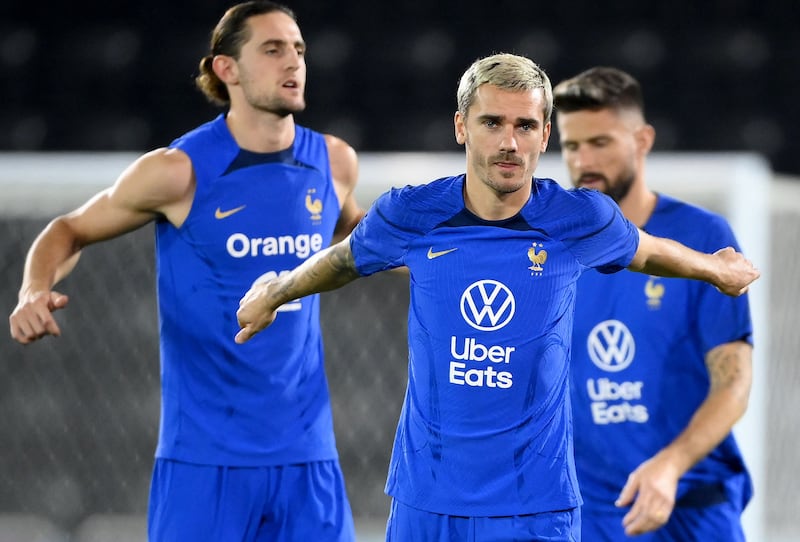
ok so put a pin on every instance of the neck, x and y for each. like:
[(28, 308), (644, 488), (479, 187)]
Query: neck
[(261, 131), (639, 204), (489, 204)]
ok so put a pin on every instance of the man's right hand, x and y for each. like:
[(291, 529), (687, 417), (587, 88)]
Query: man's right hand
[(737, 272), (32, 318), (255, 312)]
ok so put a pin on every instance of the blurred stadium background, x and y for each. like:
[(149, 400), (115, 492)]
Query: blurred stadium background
[(718, 74), (78, 415)]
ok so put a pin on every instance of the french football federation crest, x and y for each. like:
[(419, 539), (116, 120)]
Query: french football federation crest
[(537, 258), (314, 206), (654, 292)]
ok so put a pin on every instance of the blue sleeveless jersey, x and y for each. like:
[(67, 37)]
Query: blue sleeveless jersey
[(638, 372), (254, 216), (485, 428)]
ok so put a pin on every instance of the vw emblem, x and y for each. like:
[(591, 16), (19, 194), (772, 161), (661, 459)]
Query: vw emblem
[(487, 305), (611, 346)]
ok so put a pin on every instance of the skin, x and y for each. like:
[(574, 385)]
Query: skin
[(503, 133), (606, 149), (266, 86)]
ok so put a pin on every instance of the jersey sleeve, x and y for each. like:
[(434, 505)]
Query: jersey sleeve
[(380, 241), (720, 318), (601, 238)]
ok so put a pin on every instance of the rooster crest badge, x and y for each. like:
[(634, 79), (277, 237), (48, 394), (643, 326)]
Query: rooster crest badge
[(314, 206), (654, 291), (537, 258)]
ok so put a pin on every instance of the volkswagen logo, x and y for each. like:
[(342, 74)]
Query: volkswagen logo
[(487, 305), (611, 346)]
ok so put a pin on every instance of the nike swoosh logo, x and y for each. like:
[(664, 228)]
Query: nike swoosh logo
[(220, 214), (432, 254)]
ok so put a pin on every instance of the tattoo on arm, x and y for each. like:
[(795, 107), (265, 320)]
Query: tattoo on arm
[(327, 270), (729, 365), (342, 261)]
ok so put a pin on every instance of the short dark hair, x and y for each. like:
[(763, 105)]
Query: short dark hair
[(600, 87), (227, 38)]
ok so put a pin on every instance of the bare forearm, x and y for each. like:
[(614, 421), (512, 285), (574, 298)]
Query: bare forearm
[(668, 258), (52, 257), (327, 270), (730, 371), (726, 269)]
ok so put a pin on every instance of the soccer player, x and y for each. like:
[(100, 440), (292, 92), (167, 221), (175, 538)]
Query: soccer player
[(246, 448), (483, 449), (661, 368)]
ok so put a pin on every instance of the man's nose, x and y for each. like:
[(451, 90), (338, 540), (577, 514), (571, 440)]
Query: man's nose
[(508, 143)]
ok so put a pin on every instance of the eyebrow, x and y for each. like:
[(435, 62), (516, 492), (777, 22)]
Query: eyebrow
[(298, 43), (518, 120), (592, 140)]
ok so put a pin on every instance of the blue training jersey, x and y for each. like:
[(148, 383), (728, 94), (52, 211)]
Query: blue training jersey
[(639, 372), (485, 428), (254, 216)]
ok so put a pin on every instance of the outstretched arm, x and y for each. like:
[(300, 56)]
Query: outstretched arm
[(327, 270), (654, 483), (726, 269), (159, 183)]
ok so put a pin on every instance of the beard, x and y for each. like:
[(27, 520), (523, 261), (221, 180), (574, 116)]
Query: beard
[(279, 106), (271, 102), (616, 190), (484, 164), (620, 187)]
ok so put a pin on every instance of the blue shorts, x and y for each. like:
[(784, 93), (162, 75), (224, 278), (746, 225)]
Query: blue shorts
[(292, 503), (407, 523), (710, 513)]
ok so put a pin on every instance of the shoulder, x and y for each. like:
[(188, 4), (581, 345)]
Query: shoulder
[(579, 203), (692, 224), (678, 208), (400, 215), (548, 188), (337, 145), (160, 177), (423, 205), (165, 163), (212, 130), (443, 193), (343, 161)]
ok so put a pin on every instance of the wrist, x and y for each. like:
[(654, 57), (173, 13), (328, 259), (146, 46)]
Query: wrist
[(31, 290)]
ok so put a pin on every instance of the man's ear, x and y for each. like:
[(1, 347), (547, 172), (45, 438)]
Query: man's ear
[(226, 69), (645, 138), (548, 127), (460, 128)]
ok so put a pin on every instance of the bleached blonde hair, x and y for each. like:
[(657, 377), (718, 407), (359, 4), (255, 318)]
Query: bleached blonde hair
[(506, 71)]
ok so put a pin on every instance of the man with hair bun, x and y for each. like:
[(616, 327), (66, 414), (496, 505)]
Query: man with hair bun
[(246, 449)]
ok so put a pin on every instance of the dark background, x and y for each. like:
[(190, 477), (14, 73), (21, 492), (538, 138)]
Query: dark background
[(92, 76), (79, 414)]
